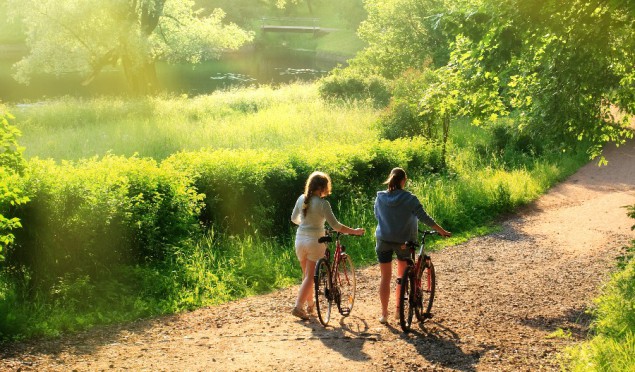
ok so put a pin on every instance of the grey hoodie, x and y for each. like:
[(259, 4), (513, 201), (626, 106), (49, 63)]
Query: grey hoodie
[(397, 214)]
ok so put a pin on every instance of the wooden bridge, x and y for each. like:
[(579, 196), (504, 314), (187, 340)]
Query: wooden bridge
[(297, 25)]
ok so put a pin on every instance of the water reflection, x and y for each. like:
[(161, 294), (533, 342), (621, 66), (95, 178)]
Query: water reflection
[(237, 69), (233, 77)]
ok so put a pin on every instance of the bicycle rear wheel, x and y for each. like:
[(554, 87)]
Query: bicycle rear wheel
[(344, 278), (406, 300), (323, 292), (425, 290)]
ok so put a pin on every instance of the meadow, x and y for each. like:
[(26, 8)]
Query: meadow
[(142, 207)]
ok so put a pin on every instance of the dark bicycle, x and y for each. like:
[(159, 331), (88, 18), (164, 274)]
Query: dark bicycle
[(334, 280), (417, 285)]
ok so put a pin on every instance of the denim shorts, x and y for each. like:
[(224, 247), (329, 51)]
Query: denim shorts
[(385, 250)]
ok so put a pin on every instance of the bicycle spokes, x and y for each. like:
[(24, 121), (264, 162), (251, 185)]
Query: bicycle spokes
[(345, 278), (323, 291)]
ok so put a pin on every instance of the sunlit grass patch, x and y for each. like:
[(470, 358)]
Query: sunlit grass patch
[(293, 115), (612, 348)]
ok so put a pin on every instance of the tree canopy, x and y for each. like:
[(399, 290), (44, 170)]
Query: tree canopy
[(562, 67), (87, 35)]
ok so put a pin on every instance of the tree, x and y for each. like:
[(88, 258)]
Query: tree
[(413, 34), (561, 65), (463, 87), (85, 36), (11, 170), (574, 64)]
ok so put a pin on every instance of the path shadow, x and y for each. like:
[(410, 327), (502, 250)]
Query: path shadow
[(80, 343), (441, 346), (576, 321), (346, 337)]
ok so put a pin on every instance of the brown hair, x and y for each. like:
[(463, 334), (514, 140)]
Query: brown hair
[(317, 181), (394, 179)]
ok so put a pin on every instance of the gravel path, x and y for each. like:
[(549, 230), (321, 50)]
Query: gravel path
[(501, 302)]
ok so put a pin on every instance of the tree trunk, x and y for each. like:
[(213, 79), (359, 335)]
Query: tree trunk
[(446, 134), (308, 4), (141, 77)]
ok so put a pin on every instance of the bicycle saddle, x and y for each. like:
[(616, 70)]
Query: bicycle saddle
[(325, 239)]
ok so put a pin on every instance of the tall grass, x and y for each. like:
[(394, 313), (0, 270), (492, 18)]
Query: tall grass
[(262, 118), (613, 346)]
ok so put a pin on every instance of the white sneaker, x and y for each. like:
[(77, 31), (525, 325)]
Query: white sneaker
[(383, 319)]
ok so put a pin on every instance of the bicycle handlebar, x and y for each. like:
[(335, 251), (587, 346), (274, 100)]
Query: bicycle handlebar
[(328, 238), (423, 237)]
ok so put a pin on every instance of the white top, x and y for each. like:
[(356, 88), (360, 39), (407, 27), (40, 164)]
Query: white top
[(313, 223)]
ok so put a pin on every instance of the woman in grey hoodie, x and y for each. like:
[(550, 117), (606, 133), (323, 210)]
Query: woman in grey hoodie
[(397, 212)]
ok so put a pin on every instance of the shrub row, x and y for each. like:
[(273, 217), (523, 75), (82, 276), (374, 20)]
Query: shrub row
[(84, 217)]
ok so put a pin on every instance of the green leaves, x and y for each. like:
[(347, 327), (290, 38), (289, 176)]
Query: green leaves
[(11, 171)]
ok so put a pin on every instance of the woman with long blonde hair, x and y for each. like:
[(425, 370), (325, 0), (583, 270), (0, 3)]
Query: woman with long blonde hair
[(310, 213)]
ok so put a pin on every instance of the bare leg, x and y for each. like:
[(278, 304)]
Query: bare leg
[(304, 294), (401, 267), (384, 287)]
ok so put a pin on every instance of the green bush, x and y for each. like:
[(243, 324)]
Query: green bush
[(612, 347), (11, 171), (244, 189), (87, 216), (348, 85), (248, 190), (403, 118), (507, 138)]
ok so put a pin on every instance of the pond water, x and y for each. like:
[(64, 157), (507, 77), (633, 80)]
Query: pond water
[(236, 69)]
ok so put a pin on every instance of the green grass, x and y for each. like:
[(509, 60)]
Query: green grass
[(612, 348), (263, 118)]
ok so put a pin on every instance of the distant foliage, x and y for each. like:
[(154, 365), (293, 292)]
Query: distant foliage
[(403, 117), (88, 36), (12, 167), (506, 137), (349, 85)]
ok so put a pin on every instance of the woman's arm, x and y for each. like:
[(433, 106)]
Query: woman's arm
[(441, 230), (297, 210), (335, 224)]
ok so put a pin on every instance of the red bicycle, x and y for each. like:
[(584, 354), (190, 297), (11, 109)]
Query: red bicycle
[(334, 281), (417, 285)]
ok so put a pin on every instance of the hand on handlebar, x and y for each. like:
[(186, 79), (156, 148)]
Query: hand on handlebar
[(442, 231)]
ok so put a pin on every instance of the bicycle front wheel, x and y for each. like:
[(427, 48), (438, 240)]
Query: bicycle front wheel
[(345, 280), (406, 300), (323, 292), (426, 283)]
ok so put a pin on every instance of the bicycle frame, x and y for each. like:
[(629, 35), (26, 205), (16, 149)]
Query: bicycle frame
[(334, 279), (421, 259), (340, 251), (413, 294)]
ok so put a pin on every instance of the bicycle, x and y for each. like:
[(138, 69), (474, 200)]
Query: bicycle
[(417, 285), (334, 281)]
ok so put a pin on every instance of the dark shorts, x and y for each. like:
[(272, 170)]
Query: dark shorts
[(386, 249)]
